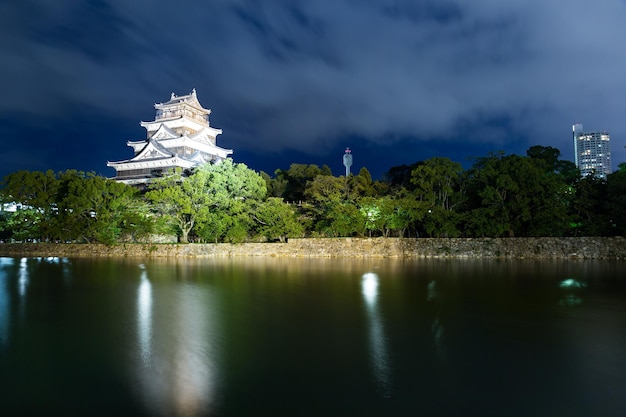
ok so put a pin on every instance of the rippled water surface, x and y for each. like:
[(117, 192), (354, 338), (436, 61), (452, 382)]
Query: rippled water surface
[(285, 337)]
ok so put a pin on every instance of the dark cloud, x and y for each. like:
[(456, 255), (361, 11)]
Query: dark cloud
[(303, 80)]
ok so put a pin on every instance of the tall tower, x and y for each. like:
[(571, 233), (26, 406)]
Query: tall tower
[(592, 152), (347, 161)]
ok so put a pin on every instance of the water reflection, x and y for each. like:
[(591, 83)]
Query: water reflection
[(571, 283), (4, 302), (437, 330), (570, 298), (22, 281), (121, 337), (176, 352), (379, 355), (144, 318)]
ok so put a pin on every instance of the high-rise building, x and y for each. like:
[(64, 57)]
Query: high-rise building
[(592, 152)]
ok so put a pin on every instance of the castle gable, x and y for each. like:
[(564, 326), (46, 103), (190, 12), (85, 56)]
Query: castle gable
[(164, 132), (153, 150)]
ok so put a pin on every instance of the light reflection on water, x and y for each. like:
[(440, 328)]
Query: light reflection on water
[(177, 361), (23, 277), (312, 337), (437, 329), (379, 356), (4, 301), (144, 318), (572, 289)]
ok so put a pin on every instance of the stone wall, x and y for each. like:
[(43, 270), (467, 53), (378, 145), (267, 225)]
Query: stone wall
[(533, 248)]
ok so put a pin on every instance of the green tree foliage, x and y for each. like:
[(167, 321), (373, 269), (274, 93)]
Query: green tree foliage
[(97, 209), (379, 214), (179, 200), (500, 195), (616, 201), (567, 170), (295, 180), (5, 231), (548, 154), (510, 195), (72, 205), (436, 182), (22, 225), (437, 185), (400, 176), (276, 186), (326, 190), (36, 193), (228, 182), (277, 220), (408, 212), (361, 185), (590, 199), (216, 200), (344, 219), (234, 192), (324, 194)]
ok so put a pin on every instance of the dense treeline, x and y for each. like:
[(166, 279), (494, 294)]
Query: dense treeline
[(500, 195)]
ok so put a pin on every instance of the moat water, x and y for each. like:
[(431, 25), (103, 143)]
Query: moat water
[(318, 337)]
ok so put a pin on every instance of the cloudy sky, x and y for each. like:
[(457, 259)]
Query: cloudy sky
[(397, 81)]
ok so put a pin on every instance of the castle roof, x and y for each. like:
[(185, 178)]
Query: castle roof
[(190, 99), (179, 136)]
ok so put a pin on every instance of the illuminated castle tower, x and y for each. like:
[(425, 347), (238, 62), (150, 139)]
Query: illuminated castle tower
[(592, 152), (179, 137)]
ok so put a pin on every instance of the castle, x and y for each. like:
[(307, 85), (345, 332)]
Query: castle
[(179, 137)]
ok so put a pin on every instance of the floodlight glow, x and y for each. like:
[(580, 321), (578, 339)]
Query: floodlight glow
[(144, 318), (379, 356), (369, 288), (572, 283), (23, 277)]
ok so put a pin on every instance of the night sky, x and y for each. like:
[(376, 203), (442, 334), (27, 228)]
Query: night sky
[(299, 81)]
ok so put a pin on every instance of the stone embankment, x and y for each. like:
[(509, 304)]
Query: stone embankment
[(530, 248)]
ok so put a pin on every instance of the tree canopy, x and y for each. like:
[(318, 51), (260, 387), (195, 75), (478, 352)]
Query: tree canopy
[(500, 195)]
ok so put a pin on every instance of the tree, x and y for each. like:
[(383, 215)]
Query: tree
[(73, 205), (566, 169), (277, 220), (616, 201), (216, 200), (400, 176), (94, 208), (407, 211), (325, 190), (345, 219), (510, 195), (295, 180), (179, 200), (381, 214), (323, 194), (361, 185), (35, 192), (589, 216), (437, 185), (228, 182), (548, 154), (234, 192)]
